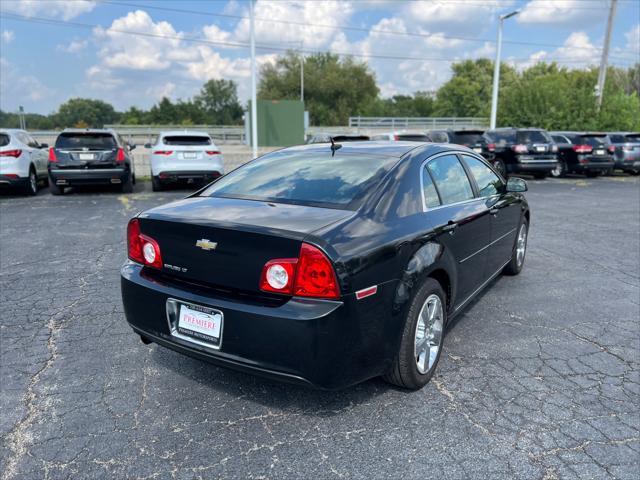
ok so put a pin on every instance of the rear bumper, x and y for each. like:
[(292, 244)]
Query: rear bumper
[(535, 166), (13, 181), (88, 176), (322, 343), (594, 166), (188, 176)]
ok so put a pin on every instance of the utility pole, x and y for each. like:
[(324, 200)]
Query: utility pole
[(602, 75), (254, 107), (496, 69), (301, 76)]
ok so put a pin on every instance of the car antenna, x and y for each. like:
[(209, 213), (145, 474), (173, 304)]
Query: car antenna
[(334, 146)]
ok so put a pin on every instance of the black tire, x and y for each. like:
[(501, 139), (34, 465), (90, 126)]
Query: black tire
[(592, 174), (404, 372), (514, 267), (31, 187), (156, 185), (560, 171), (500, 167), (540, 175), (127, 185), (55, 189)]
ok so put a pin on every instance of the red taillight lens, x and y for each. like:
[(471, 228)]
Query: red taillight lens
[(491, 147), (141, 248), (611, 149), (212, 152), (396, 138), (582, 148), (163, 152), (52, 156), (310, 275), (120, 155), (520, 148), (11, 153)]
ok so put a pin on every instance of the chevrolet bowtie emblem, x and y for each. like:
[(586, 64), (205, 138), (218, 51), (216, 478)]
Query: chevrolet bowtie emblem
[(206, 244)]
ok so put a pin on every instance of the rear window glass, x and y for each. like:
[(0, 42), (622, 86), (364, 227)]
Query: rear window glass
[(306, 178), (633, 138), (414, 138), (4, 139), (532, 136), (186, 140), (593, 140), (617, 138), (91, 141), (467, 138), (501, 138)]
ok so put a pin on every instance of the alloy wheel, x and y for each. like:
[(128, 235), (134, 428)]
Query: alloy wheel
[(428, 336), (33, 182), (521, 246)]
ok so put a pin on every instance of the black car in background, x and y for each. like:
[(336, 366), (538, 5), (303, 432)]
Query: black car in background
[(337, 137), (326, 265), (90, 157), (589, 153), (626, 151), (474, 139), (523, 150)]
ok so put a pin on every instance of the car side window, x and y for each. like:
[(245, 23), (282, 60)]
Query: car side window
[(488, 182), (431, 198), (450, 179), (32, 142)]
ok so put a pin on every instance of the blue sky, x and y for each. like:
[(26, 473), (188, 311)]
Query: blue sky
[(132, 52)]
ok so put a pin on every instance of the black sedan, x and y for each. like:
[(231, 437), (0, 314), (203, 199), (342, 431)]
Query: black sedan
[(326, 265)]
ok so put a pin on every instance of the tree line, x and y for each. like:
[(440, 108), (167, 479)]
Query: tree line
[(544, 95)]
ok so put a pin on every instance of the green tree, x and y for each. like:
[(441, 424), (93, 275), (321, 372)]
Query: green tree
[(334, 89), (94, 113), (218, 102)]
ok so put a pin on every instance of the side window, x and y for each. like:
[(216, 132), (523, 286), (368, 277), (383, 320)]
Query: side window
[(488, 182), (32, 142), (429, 192), (450, 179)]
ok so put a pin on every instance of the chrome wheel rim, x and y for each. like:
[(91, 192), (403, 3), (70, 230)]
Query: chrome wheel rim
[(33, 182), (557, 171), (428, 336), (521, 246)]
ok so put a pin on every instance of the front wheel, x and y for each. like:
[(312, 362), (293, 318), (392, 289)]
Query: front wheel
[(422, 338), (514, 267)]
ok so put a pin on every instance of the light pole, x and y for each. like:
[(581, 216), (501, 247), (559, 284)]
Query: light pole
[(254, 107), (496, 69)]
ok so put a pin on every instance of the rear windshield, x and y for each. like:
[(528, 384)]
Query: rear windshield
[(593, 140), (186, 140), (532, 136), (306, 178), (414, 138), (634, 137), (501, 137), (466, 138), (4, 139), (91, 141)]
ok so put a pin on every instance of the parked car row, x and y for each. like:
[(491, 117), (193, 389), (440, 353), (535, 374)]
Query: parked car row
[(102, 157)]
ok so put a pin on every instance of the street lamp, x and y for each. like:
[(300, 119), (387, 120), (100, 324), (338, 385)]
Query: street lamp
[(496, 69)]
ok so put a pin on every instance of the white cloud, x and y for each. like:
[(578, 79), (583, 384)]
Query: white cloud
[(8, 36), (633, 39), (17, 86), (577, 51), (64, 9), (560, 11), (160, 91), (75, 46)]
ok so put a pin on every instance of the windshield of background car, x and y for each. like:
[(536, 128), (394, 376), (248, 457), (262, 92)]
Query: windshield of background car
[(594, 140), (4, 139), (90, 141), (467, 138), (501, 138), (532, 136), (306, 178), (414, 138), (186, 140)]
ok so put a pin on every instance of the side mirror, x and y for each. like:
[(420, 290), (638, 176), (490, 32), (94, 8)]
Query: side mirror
[(516, 185), (44, 145), (132, 147), (147, 145)]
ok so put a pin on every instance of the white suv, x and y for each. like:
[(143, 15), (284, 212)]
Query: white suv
[(184, 157), (23, 161)]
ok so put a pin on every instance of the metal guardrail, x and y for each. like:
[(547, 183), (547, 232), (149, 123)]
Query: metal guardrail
[(141, 134), (416, 123)]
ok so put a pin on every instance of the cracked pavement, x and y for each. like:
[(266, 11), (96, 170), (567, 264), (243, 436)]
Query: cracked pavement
[(539, 377)]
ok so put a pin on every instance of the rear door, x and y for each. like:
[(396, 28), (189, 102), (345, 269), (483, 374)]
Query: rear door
[(462, 220)]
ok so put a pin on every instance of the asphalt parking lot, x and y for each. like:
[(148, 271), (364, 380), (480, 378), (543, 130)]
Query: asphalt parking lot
[(540, 376)]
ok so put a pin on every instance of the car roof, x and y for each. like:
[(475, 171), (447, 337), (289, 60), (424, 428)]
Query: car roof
[(194, 133), (377, 147), (89, 130), (516, 129), (12, 130)]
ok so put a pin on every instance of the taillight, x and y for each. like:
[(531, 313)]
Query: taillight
[(310, 275), (212, 152), (554, 148), (163, 152), (582, 148), (611, 149), (520, 148), (52, 156), (396, 138), (491, 147), (120, 155), (141, 248), (11, 153)]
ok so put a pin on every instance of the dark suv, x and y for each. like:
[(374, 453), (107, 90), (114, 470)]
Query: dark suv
[(90, 157), (474, 139), (626, 147), (523, 150), (583, 152)]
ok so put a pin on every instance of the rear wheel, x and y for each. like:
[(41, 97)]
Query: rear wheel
[(592, 174), (514, 267), (500, 167), (127, 185), (560, 170), (156, 185), (422, 338), (31, 188), (55, 189)]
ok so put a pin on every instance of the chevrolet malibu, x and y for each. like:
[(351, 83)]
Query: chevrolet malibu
[(324, 264)]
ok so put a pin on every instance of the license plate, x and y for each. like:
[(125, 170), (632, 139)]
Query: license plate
[(190, 155), (201, 324), (599, 152), (87, 156), (540, 149), (477, 150)]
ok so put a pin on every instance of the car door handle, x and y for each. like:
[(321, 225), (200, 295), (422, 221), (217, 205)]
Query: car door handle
[(450, 227), (494, 211)]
